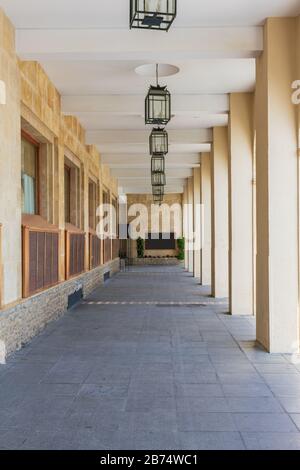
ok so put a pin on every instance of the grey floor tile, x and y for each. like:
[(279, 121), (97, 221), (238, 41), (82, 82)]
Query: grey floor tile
[(240, 378), (156, 420), (186, 377), (271, 440), (202, 404), (296, 419), (146, 440), (264, 422), (211, 441), (284, 368), (154, 389), (110, 377), (246, 390), (196, 421), (290, 404), (13, 439), (68, 372), (102, 391), (283, 390), (282, 379), (254, 405), (139, 402), (199, 390)]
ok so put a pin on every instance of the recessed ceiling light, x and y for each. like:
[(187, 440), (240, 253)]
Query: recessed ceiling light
[(164, 70)]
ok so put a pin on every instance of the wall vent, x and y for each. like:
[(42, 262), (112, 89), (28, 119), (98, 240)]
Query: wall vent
[(106, 276), (74, 298)]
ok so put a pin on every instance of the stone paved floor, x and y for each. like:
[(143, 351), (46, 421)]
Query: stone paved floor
[(149, 375)]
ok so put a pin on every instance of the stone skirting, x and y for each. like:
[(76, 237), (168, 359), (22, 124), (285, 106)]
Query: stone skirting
[(155, 262), (20, 323)]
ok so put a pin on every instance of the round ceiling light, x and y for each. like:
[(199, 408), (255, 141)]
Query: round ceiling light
[(164, 70)]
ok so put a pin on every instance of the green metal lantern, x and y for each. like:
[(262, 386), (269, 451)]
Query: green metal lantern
[(158, 142), (158, 179), (158, 106), (152, 14), (158, 164), (158, 191)]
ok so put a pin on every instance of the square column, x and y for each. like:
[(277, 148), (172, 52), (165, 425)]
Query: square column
[(190, 244), (241, 145), (205, 178), (277, 182), (185, 227), (219, 218), (197, 224)]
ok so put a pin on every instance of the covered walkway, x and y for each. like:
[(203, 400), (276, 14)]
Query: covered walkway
[(149, 361)]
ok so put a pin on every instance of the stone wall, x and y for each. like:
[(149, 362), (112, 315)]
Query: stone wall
[(10, 167), (33, 104), (20, 323), (156, 262)]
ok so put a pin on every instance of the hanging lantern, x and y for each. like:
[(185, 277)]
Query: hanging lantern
[(158, 164), (158, 199), (158, 106), (158, 194), (158, 179), (152, 14), (159, 142), (158, 191)]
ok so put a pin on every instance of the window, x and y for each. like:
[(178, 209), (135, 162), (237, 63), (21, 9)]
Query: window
[(67, 195), (30, 152), (72, 194), (92, 204)]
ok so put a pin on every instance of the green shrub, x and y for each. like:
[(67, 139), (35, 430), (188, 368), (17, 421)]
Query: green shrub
[(140, 247), (180, 246)]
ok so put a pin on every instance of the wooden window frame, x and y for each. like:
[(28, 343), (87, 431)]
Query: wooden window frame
[(31, 140), (91, 181), (68, 169), (71, 165)]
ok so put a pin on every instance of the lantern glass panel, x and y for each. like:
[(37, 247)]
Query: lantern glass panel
[(158, 164), (158, 191), (158, 199), (158, 106), (152, 14), (158, 179), (158, 142)]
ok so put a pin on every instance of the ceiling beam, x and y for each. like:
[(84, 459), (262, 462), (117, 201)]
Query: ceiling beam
[(145, 173), (147, 190), (146, 181), (140, 149), (127, 160), (133, 105), (180, 136), (122, 44)]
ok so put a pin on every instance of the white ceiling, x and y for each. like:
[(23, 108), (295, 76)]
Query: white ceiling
[(90, 54), (114, 13)]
